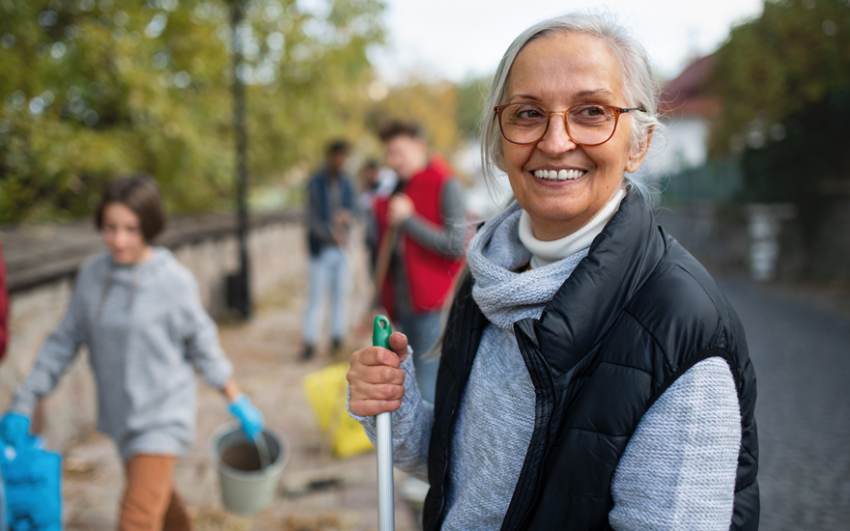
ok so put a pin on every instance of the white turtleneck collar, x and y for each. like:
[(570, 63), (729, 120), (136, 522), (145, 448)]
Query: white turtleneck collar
[(545, 253)]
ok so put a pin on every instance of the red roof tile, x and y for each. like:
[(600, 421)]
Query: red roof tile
[(683, 95)]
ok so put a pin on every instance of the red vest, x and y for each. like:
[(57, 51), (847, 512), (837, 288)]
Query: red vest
[(430, 276)]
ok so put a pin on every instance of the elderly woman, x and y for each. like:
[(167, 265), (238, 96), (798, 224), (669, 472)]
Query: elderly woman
[(592, 376)]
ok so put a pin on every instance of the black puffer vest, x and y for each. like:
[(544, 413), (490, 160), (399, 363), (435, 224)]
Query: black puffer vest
[(635, 314)]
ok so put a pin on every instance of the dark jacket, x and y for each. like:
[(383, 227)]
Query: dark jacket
[(320, 211), (635, 314)]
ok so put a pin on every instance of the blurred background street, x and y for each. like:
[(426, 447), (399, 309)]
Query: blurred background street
[(230, 105), (800, 345)]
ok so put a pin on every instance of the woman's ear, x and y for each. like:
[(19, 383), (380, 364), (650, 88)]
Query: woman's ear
[(639, 153)]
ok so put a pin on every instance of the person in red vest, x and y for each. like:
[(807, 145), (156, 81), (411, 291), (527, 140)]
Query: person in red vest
[(425, 219)]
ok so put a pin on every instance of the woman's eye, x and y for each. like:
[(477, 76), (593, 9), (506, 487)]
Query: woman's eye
[(528, 113), (591, 115)]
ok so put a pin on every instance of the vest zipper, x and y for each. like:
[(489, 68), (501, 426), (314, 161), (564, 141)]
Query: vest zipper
[(529, 482)]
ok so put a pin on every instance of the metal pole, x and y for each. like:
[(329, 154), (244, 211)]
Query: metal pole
[(386, 503), (242, 298)]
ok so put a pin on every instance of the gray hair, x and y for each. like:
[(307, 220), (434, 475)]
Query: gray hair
[(639, 79)]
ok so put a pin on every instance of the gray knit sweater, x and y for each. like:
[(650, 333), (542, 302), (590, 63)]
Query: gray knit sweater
[(146, 331), (678, 470)]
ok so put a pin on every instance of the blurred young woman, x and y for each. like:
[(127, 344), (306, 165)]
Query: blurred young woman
[(138, 311), (592, 376)]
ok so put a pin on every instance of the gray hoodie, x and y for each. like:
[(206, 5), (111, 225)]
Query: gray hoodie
[(145, 330)]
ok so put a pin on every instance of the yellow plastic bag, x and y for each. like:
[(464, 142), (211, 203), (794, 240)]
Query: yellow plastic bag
[(327, 391)]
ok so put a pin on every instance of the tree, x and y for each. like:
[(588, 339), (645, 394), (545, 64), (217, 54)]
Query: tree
[(784, 80), (92, 89), (795, 54), (471, 95), (448, 112), (432, 104)]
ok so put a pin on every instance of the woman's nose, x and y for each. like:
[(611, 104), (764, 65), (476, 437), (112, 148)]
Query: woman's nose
[(556, 140)]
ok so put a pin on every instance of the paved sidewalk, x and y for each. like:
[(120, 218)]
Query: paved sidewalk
[(265, 353), (799, 341)]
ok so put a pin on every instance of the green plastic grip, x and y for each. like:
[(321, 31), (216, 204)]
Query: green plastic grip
[(381, 332)]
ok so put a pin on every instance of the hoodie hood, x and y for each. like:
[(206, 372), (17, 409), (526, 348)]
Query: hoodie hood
[(133, 275)]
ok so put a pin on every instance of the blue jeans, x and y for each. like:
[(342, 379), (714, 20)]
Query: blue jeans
[(423, 332), (328, 271)]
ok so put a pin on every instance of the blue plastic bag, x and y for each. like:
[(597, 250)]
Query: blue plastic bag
[(32, 477)]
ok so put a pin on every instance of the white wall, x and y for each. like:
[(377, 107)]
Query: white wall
[(684, 145)]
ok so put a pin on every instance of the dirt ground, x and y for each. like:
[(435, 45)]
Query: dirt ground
[(317, 491)]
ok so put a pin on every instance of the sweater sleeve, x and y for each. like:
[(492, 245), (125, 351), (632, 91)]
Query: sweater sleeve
[(678, 469), (448, 240), (412, 423), (203, 349), (57, 353)]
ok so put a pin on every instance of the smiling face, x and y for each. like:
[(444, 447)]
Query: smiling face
[(122, 234), (557, 72)]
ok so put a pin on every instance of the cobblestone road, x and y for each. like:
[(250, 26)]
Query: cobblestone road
[(802, 360)]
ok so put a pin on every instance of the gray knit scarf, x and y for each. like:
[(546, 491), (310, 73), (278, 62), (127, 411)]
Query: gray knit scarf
[(497, 259)]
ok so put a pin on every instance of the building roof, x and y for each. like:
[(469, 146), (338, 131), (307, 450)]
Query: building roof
[(684, 95)]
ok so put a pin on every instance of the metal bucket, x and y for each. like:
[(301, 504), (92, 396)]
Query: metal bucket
[(246, 487)]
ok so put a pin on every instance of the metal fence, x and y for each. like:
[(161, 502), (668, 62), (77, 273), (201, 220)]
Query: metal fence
[(714, 182)]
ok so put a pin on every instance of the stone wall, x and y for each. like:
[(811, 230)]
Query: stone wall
[(207, 246), (278, 252)]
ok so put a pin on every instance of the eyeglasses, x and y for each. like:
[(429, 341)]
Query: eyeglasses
[(587, 124)]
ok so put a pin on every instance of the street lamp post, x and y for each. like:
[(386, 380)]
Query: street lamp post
[(238, 284)]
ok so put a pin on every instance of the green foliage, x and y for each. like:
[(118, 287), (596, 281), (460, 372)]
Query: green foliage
[(470, 101), (448, 112), (431, 104), (95, 88), (784, 80), (804, 167), (794, 55)]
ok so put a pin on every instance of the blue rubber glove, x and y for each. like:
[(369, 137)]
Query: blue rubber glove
[(248, 414), (14, 427)]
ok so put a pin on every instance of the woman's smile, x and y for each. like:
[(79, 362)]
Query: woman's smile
[(556, 175)]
